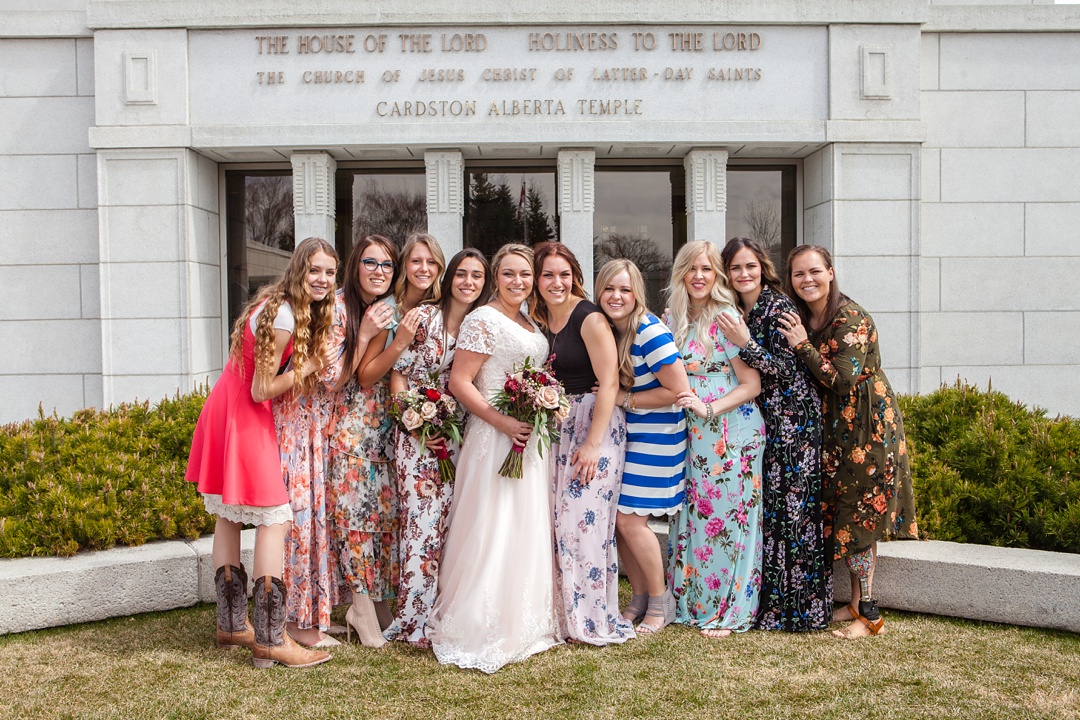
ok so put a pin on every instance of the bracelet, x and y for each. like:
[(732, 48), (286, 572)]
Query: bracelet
[(708, 412), (633, 402), (626, 401)]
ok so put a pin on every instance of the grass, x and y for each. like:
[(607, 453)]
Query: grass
[(165, 665)]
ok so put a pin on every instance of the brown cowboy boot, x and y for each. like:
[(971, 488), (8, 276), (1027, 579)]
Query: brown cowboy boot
[(233, 628), (272, 643)]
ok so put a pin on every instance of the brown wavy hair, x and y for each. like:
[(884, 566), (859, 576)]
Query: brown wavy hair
[(538, 310), (355, 307), (313, 319), (447, 284), (625, 341), (836, 298), (769, 275)]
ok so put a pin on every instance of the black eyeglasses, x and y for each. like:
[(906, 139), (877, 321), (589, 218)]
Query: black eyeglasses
[(371, 264)]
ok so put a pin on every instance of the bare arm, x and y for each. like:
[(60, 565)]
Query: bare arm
[(748, 388), (466, 364), (604, 357), (375, 365), (265, 387), (673, 380), (397, 382)]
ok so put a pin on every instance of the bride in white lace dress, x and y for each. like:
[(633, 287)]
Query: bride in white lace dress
[(495, 601)]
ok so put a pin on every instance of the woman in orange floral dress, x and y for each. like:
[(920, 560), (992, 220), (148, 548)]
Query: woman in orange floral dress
[(867, 493)]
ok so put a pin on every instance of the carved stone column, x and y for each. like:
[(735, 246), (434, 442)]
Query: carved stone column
[(313, 195), (445, 198), (706, 195), (577, 194)]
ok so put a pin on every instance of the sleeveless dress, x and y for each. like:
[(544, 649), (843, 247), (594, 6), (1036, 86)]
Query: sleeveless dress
[(495, 601), (423, 498), (652, 481), (586, 558), (234, 455), (716, 561)]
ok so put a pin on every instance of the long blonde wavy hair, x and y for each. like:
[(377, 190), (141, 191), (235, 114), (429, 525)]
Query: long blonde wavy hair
[(434, 292), (313, 319), (625, 341), (721, 297)]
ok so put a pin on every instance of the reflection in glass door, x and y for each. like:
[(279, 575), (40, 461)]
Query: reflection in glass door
[(761, 206), (380, 202), (509, 205)]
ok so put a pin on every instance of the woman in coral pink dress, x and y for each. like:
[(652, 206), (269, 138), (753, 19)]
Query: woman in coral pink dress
[(234, 452)]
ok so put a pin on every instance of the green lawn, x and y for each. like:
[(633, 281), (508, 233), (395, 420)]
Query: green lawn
[(165, 665)]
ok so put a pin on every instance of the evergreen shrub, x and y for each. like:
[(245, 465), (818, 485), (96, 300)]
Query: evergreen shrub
[(99, 478), (991, 471)]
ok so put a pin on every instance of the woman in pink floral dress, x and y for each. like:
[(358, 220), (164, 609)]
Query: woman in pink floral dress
[(423, 497)]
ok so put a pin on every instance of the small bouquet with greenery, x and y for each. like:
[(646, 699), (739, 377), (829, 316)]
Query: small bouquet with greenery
[(532, 395), (428, 412)]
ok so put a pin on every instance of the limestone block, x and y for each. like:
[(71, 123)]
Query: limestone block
[(51, 346), (978, 582), (204, 290), (879, 284), (1050, 118), (898, 48), (126, 388), (929, 284), (90, 291), (92, 391), (1038, 385), (40, 294), (154, 179), (142, 233), (204, 551), (37, 67), (901, 379), (143, 347), (875, 227), (928, 63), (1010, 175), (38, 182), (929, 379), (87, 169), (818, 177), (84, 66), (203, 236), (163, 90), (204, 178), (895, 340), (1010, 61), (931, 175), (875, 175), (1051, 338), (21, 394), (818, 225), (990, 284), (44, 592), (206, 351), (34, 238), (143, 290), (974, 119), (1052, 229), (972, 229), (45, 125), (972, 338)]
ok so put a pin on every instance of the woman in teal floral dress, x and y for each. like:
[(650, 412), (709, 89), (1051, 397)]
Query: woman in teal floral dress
[(715, 570), (867, 479)]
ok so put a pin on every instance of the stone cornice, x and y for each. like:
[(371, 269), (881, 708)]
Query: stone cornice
[(1002, 18)]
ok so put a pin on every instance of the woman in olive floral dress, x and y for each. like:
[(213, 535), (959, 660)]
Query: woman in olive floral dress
[(868, 493), (796, 575)]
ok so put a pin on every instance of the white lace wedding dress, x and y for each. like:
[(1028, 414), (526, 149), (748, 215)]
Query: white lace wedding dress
[(495, 580)]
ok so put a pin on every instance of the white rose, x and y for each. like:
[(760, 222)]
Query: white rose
[(450, 404), (562, 413), (411, 419), (428, 410), (548, 397)]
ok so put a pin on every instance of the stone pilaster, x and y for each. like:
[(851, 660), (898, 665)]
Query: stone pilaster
[(445, 198), (706, 195), (577, 202), (313, 195)]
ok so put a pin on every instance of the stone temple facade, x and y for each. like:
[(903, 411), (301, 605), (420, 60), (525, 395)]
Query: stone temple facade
[(933, 146)]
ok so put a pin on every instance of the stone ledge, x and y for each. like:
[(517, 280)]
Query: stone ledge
[(1004, 585)]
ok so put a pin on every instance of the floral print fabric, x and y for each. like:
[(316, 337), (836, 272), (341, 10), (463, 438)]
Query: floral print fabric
[(796, 574), (715, 571), (423, 498), (868, 494)]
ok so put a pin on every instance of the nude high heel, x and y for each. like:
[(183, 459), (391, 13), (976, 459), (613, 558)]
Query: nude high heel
[(361, 617)]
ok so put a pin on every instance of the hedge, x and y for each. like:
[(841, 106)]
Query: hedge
[(987, 470)]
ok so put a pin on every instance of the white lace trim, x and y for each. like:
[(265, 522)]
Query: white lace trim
[(247, 514)]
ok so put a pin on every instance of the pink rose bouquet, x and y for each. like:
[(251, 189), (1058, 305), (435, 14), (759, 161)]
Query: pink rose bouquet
[(532, 395), (428, 412)]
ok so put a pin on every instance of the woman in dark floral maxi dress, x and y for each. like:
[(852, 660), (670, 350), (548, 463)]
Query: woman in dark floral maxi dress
[(796, 592)]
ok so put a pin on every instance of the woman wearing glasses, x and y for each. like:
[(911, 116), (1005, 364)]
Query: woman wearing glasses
[(365, 509)]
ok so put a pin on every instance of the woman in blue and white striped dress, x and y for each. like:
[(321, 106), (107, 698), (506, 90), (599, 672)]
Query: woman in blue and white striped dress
[(651, 374)]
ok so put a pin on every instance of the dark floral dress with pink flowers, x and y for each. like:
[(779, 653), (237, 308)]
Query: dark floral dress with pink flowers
[(867, 494), (715, 570)]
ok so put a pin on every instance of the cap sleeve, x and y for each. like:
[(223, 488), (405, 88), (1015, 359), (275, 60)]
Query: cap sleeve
[(478, 332)]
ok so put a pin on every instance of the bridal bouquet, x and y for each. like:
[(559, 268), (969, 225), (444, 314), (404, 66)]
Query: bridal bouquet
[(426, 412), (532, 395)]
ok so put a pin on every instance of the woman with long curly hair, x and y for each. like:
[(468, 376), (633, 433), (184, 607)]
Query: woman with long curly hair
[(716, 565), (276, 347)]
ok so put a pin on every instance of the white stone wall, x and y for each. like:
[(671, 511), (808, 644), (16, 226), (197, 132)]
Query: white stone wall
[(1001, 214), (49, 317)]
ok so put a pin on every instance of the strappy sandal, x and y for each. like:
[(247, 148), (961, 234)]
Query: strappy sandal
[(876, 627), (636, 608), (662, 606)]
